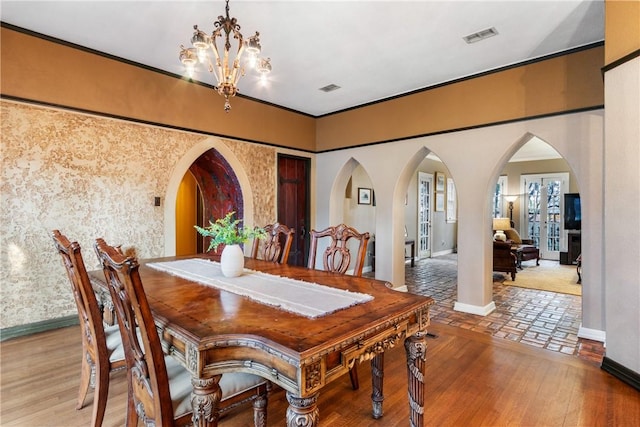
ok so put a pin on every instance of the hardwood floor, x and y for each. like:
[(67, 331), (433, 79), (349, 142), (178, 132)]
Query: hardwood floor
[(473, 379)]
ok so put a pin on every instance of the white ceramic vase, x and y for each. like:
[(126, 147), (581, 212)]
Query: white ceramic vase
[(232, 261)]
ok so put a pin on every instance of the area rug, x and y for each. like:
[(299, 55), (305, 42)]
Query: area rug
[(548, 276)]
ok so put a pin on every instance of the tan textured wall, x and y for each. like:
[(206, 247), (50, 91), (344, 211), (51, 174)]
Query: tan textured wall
[(40, 70), (260, 166), (622, 28), (89, 177), (556, 85)]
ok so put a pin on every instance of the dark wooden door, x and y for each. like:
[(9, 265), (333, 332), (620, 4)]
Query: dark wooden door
[(293, 203)]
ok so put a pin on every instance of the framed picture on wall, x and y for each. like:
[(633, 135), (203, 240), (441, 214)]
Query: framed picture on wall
[(439, 182), (364, 196), (439, 202)]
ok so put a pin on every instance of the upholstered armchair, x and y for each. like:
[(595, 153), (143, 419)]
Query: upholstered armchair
[(527, 249), (503, 259)]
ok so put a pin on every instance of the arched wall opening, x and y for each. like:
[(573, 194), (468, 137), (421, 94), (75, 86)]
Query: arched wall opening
[(352, 202), (532, 160), (209, 191), (429, 207), (518, 170), (182, 167), (535, 179), (475, 158)]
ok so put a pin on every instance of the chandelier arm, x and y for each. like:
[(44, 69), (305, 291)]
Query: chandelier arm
[(212, 68), (218, 70), (235, 75)]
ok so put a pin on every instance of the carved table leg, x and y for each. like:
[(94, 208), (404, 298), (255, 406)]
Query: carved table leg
[(260, 411), (302, 411), (204, 400), (416, 348), (377, 375)]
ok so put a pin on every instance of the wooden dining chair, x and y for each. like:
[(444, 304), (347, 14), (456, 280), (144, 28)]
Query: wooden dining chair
[(160, 388), (276, 246), (102, 349), (337, 258)]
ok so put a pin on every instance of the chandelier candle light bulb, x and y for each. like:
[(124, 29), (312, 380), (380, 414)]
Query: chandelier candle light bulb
[(227, 68)]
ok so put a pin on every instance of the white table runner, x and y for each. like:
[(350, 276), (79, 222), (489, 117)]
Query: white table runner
[(307, 299)]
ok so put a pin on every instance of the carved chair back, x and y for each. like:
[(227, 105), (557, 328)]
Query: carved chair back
[(276, 246), (95, 351), (149, 381), (337, 256), (149, 395)]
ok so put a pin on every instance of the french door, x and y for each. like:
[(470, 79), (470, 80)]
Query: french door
[(542, 212), (425, 191)]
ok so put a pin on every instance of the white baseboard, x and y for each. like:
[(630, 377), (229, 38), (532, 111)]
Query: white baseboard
[(592, 334), (440, 253), (475, 309)]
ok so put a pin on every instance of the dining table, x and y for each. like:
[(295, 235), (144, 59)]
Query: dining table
[(299, 328)]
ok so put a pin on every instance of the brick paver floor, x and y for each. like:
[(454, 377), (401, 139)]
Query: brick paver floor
[(537, 318)]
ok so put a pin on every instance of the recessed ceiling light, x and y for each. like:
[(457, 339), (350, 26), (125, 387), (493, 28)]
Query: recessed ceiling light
[(481, 35), (329, 88)]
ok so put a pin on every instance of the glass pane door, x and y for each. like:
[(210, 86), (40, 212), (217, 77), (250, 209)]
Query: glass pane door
[(553, 216), (497, 201), (543, 212), (425, 190)]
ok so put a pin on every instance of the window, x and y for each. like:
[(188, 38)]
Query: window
[(497, 204), (452, 208)]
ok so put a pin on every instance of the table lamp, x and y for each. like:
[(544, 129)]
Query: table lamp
[(499, 225)]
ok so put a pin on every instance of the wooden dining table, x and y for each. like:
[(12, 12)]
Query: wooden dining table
[(212, 331)]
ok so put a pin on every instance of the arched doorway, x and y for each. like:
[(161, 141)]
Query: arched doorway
[(181, 170), (208, 191), (530, 192)]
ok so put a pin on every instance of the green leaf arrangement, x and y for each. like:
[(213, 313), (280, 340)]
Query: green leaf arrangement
[(227, 231)]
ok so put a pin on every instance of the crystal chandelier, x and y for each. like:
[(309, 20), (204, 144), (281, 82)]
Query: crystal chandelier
[(226, 68)]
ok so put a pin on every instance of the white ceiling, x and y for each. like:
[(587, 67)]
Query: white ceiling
[(372, 49), (535, 149)]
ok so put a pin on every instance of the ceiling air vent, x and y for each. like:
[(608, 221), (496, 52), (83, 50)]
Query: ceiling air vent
[(330, 88), (481, 35)]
